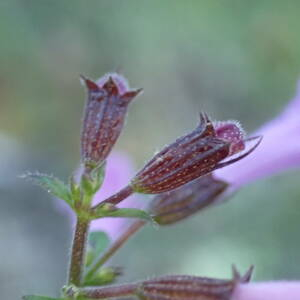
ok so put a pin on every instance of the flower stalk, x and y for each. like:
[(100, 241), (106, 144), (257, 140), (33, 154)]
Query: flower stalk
[(116, 198)]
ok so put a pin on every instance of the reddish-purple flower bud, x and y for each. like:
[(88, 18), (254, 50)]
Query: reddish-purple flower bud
[(196, 154), (173, 206), (105, 111), (179, 287)]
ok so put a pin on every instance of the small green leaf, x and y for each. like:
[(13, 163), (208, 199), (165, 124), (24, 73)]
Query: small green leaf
[(90, 256), (87, 186), (125, 213), (53, 185), (98, 241), (104, 276), (32, 297), (74, 190), (91, 183), (98, 176)]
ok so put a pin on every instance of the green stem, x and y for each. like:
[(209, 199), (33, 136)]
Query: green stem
[(78, 251), (131, 230)]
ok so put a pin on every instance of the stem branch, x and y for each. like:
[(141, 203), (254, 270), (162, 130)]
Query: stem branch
[(118, 197), (131, 230)]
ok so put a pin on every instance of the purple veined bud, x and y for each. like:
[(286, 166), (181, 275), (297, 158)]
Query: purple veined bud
[(104, 115), (171, 207), (180, 287), (194, 155)]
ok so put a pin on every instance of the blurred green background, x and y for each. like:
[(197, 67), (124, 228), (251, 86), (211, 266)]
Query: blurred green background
[(233, 59)]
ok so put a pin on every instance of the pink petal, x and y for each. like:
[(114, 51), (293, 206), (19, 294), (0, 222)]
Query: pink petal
[(267, 291), (278, 151)]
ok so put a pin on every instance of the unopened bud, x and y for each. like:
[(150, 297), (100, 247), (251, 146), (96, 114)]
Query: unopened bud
[(179, 287), (173, 206), (104, 116)]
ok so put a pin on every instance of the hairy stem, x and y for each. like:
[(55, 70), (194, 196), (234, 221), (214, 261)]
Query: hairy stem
[(118, 197), (78, 251), (131, 230), (109, 291)]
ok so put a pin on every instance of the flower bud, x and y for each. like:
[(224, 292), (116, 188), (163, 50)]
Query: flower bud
[(196, 154), (179, 287), (105, 111), (173, 206)]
